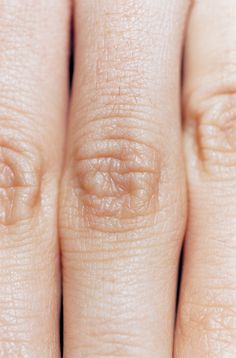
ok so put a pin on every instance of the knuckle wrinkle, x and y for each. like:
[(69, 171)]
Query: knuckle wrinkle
[(117, 180)]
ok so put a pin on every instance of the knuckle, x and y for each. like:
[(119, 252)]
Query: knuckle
[(214, 121), (20, 180), (116, 177)]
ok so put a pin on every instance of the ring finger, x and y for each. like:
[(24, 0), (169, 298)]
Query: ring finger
[(207, 311)]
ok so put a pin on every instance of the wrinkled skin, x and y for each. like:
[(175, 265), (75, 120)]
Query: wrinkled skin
[(102, 183)]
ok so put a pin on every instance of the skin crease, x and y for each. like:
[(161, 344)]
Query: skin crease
[(33, 99), (118, 203), (207, 312), (122, 216)]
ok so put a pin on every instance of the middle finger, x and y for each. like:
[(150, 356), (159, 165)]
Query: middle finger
[(123, 203)]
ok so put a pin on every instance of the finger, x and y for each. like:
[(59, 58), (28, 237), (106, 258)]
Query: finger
[(207, 313), (33, 96), (123, 203)]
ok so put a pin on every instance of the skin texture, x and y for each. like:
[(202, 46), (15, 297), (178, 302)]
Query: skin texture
[(207, 311), (122, 215), (97, 177), (33, 99)]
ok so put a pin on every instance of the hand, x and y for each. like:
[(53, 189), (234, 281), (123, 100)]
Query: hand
[(120, 189)]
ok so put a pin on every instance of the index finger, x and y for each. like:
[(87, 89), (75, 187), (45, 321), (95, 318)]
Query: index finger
[(33, 98)]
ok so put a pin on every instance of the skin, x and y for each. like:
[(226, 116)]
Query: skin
[(100, 182)]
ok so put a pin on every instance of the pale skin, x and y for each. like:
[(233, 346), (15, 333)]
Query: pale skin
[(102, 184)]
